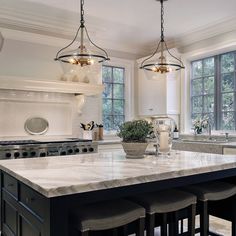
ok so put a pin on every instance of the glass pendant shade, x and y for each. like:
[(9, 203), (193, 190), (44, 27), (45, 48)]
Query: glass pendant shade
[(162, 60), (85, 52)]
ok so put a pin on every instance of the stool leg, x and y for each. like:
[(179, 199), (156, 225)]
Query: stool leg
[(173, 225), (150, 224), (85, 233), (234, 217), (125, 230), (114, 232), (164, 225), (181, 226), (191, 219), (204, 218), (141, 227)]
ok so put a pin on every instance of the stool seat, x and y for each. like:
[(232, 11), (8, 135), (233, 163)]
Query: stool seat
[(165, 201), (212, 191), (106, 215)]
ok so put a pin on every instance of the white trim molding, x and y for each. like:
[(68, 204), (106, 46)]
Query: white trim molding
[(17, 83)]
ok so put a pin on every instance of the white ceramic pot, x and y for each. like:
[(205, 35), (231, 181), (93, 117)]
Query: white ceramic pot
[(134, 150)]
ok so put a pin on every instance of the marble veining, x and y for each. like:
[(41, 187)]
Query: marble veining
[(57, 176)]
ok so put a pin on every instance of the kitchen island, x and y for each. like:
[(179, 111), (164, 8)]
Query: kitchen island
[(38, 193)]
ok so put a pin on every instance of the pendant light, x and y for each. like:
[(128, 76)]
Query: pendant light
[(165, 63), (82, 55)]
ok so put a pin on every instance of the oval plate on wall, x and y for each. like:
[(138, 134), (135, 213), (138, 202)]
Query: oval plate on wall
[(36, 126)]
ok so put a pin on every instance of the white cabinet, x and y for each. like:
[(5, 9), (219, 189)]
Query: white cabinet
[(159, 96)]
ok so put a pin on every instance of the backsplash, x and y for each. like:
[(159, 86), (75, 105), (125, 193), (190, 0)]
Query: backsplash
[(18, 106)]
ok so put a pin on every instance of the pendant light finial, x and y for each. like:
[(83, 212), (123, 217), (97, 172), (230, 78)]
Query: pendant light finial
[(82, 55), (163, 64)]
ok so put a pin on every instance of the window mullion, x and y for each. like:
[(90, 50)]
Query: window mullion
[(218, 94)]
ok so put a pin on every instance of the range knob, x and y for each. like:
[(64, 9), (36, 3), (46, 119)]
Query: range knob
[(70, 151), (24, 154), (91, 149), (33, 154), (8, 155), (42, 154), (84, 150), (16, 154), (63, 153), (76, 150)]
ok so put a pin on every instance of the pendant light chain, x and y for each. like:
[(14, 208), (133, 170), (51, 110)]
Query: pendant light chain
[(162, 21), (164, 63), (82, 13), (82, 55)]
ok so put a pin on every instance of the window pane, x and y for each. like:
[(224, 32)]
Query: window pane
[(197, 87), (197, 104), (118, 120), (208, 103), (227, 82), (209, 85), (107, 74), (197, 69), (107, 106), (107, 93), (211, 118), (196, 116), (118, 74), (107, 121), (118, 107), (208, 66), (228, 121), (227, 63), (227, 101), (113, 97), (118, 91)]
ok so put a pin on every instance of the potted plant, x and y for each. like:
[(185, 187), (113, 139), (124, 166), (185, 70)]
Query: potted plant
[(134, 134)]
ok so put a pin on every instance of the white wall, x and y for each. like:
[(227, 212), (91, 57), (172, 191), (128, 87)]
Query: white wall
[(35, 60), (25, 59)]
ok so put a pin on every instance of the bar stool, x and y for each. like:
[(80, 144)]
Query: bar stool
[(166, 204), (108, 215), (211, 191)]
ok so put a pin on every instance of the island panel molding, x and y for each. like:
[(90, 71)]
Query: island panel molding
[(103, 171)]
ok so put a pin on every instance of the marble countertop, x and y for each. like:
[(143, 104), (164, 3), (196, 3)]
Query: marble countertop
[(57, 176)]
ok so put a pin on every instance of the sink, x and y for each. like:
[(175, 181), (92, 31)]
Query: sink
[(204, 141)]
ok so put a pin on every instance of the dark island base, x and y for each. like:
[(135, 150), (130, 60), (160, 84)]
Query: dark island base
[(25, 212)]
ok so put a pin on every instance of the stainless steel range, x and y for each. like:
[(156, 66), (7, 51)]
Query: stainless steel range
[(32, 148)]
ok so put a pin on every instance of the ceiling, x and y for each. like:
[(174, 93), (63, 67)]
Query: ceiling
[(133, 23)]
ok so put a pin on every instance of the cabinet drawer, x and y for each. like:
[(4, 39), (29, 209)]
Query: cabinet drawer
[(10, 184), (32, 200)]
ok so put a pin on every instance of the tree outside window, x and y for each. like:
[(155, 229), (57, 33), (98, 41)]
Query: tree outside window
[(113, 97)]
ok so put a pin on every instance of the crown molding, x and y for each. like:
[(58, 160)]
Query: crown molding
[(209, 31), (216, 29), (55, 27)]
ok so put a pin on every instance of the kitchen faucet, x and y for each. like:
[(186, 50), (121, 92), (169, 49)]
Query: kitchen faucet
[(209, 127), (209, 130)]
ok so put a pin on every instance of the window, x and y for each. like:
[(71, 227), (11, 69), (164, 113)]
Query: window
[(213, 90), (113, 97)]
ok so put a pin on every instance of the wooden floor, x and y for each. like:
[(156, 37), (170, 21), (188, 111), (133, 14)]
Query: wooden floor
[(220, 226)]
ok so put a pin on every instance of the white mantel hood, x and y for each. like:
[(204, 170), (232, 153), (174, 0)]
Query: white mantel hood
[(55, 86)]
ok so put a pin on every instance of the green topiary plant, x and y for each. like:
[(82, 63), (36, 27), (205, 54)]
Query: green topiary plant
[(135, 131)]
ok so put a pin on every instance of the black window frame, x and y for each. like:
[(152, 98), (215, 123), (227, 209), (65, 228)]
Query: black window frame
[(112, 115), (218, 112)]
